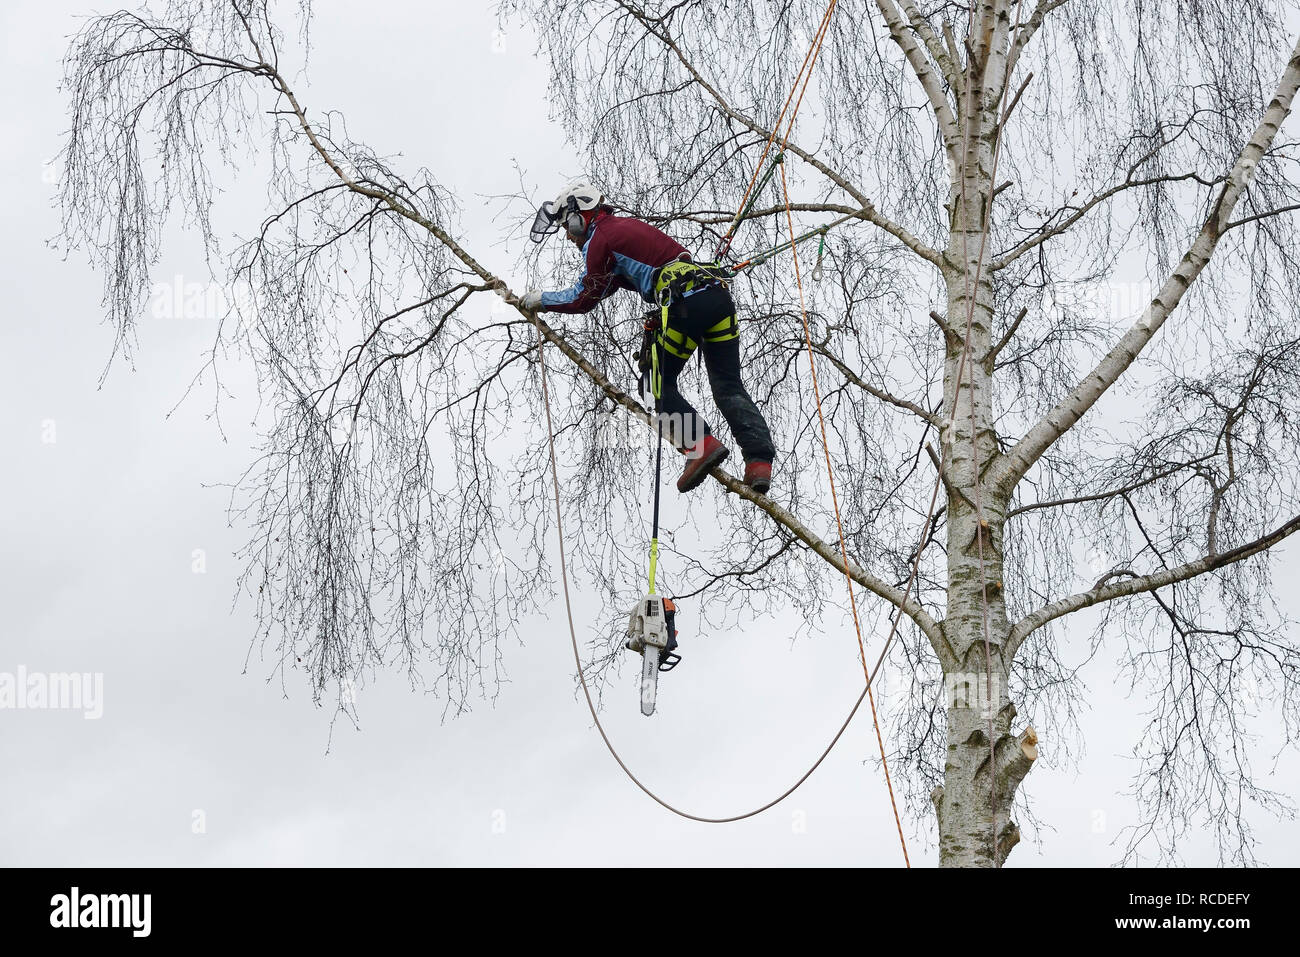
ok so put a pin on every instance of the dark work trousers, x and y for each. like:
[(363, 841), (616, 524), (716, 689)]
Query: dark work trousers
[(701, 320)]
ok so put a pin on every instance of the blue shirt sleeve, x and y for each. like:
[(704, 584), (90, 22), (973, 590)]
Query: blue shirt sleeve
[(596, 282), (565, 296)]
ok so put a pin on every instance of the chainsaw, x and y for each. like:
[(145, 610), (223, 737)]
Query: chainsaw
[(652, 631)]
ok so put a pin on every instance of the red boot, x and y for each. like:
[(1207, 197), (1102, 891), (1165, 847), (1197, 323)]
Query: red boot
[(703, 455), (758, 476)]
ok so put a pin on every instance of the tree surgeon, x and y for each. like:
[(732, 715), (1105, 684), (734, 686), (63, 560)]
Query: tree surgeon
[(696, 311), (1185, 505)]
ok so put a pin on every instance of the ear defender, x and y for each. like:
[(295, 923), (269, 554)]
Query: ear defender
[(574, 224)]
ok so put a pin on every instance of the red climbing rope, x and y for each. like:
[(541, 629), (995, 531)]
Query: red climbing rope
[(805, 71), (977, 477), (800, 85), (839, 522)]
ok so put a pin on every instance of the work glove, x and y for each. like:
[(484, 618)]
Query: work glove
[(529, 301)]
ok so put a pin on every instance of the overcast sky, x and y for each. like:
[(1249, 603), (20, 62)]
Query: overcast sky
[(106, 499)]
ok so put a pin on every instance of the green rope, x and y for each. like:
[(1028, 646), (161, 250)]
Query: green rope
[(753, 198), (798, 240)]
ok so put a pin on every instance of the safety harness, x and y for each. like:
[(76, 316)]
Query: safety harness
[(673, 283)]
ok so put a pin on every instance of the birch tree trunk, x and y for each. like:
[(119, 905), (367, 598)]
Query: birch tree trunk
[(974, 803), (985, 761)]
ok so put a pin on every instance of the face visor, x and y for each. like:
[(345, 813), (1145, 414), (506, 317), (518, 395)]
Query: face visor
[(546, 221)]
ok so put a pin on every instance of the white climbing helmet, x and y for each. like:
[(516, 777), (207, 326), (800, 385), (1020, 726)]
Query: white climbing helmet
[(566, 210)]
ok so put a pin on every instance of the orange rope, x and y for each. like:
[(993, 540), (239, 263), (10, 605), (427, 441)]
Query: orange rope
[(816, 50), (839, 523), (809, 58), (801, 85), (805, 75)]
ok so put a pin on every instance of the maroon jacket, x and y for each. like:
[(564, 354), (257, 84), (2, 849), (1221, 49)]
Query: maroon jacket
[(621, 253)]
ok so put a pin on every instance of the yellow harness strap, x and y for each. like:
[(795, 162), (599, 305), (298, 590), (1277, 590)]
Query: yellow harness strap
[(675, 342)]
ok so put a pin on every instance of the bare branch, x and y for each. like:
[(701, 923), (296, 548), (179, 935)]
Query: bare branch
[(1031, 27), (1109, 493), (1067, 412), (868, 208), (1264, 215), (938, 52), (992, 355), (1046, 233), (1146, 583), (925, 73), (876, 391)]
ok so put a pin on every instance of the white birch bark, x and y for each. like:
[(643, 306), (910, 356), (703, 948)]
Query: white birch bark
[(1113, 365), (973, 812)]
